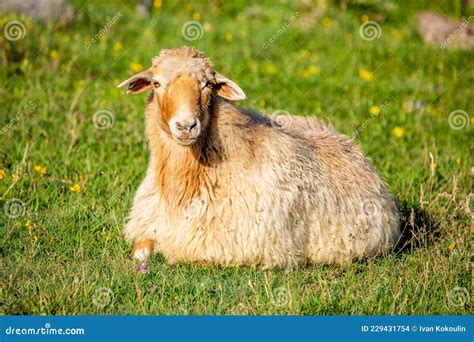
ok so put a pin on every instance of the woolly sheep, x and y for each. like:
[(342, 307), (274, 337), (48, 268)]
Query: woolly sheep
[(230, 186)]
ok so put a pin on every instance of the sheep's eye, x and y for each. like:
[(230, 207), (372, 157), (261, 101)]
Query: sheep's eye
[(156, 84)]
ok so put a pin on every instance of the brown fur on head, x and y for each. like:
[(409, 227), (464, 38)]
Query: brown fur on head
[(183, 83)]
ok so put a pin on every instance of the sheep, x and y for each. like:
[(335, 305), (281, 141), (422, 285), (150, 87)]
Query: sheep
[(230, 186)]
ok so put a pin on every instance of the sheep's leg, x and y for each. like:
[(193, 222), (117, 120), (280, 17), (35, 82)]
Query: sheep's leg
[(142, 249)]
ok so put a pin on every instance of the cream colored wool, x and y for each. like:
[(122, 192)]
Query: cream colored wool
[(253, 189)]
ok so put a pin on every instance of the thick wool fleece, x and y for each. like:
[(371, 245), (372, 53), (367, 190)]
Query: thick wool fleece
[(259, 190)]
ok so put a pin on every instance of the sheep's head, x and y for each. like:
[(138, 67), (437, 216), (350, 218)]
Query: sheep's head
[(183, 83)]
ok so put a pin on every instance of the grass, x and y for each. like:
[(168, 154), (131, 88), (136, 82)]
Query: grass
[(63, 252)]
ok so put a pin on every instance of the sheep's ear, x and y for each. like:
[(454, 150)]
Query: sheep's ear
[(228, 89), (138, 83)]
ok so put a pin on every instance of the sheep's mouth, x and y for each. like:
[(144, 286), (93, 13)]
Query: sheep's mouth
[(186, 141)]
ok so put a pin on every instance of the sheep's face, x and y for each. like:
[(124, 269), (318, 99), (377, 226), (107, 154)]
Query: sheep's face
[(183, 84)]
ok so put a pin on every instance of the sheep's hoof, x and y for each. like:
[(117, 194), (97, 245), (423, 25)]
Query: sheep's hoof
[(142, 249)]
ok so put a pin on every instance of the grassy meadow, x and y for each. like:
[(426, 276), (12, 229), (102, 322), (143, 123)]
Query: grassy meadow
[(73, 153)]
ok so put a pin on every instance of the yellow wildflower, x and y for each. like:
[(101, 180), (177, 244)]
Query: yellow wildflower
[(2, 174), (215, 10), (327, 22), (54, 55), (405, 299), (14, 177), (262, 103), (398, 131), (35, 237), (42, 170), (311, 70), (452, 245), (118, 46), (157, 3), (197, 16), (270, 69), (207, 26), (364, 18), (458, 161), (30, 225), (374, 110), (75, 188), (366, 75), (136, 67), (229, 37), (407, 106)]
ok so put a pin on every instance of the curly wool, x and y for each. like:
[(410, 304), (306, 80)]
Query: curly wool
[(259, 190)]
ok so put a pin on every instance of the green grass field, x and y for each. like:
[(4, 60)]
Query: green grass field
[(67, 180)]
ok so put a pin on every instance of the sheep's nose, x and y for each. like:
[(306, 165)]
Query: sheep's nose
[(186, 127)]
